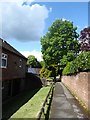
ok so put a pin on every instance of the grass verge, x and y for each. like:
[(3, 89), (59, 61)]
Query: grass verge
[(32, 107), (46, 112)]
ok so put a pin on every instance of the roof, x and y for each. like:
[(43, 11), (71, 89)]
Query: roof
[(8, 47), (34, 70)]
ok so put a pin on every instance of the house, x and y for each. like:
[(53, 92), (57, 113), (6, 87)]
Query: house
[(12, 69)]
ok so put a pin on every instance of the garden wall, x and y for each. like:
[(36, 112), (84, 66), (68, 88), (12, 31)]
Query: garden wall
[(80, 85)]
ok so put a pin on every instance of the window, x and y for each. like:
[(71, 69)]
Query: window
[(3, 60), (2, 86), (20, 63)]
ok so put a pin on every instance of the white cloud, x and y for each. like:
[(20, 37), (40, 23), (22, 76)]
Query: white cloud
[(50, 9), (46, 0), (23, 22), (63, 19), (18, 1), (86, 26), (37, 54)]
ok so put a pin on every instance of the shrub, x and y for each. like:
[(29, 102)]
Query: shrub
[(83, 61), (80, 64), (45, 73), (71, 68)]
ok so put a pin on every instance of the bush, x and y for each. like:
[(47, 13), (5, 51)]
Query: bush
[(80, 64), (83, 62), (45, 73), (71, 68)]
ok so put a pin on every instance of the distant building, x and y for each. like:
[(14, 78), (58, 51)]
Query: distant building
[(12, 69), (34, 70)]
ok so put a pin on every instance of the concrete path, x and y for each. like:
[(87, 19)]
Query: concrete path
[(64, 105)]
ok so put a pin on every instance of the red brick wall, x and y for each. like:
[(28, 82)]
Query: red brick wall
[(80, 85), (13, 71)]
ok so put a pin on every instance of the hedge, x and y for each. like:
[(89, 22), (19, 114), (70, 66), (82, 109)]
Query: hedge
[(80, 64)]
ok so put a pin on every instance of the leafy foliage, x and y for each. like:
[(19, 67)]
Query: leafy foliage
[(67, 58), (60, 43), (49, 71), (83, 61), (71, 68), (80, 64), (45, 73), (85, 39), (42, 63), (33, 62)]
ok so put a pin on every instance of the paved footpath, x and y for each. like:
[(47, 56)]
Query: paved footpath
[(64, 105)]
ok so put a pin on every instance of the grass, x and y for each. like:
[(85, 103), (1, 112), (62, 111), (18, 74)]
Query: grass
[(50, 78), (33, 106), (13, 104), (46, 113)]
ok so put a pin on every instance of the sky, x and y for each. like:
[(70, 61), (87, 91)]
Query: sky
[(23, 23)]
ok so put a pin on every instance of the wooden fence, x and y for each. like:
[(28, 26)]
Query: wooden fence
[(50, 93)]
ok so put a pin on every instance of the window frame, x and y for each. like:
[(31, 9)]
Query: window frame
[(4, 58)]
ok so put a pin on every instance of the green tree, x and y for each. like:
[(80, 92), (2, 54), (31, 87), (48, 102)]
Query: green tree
[(60, 43), (42, 63), (33, 62), (67, 58)]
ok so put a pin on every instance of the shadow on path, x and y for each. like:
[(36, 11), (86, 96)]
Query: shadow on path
[(64, 105), (11, 106)]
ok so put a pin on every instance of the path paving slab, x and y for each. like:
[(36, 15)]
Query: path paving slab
[(64, 105)]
